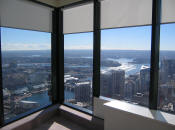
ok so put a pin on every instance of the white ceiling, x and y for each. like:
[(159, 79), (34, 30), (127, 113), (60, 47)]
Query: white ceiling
[(58, 3)]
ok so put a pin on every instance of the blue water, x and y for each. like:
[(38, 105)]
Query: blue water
[(41, 98), (127, 62), (69, 95), (44, 100), (77, 66)]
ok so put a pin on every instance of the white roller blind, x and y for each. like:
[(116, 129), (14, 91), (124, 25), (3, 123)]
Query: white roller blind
[(78, 19), (25, 15), (168, 11), (123, 13)]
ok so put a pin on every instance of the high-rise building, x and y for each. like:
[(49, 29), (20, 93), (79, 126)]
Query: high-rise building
[(129, 89), (135, 79), (167, 70), (144, 78), (106, 85), (118, 82), (82, 92)]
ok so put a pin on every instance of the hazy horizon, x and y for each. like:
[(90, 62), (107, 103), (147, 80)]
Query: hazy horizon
[(86, 50), (131, 38)]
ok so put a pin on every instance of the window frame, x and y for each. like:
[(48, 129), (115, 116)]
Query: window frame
[(1, 88), (57, 54), (96, 50), (155, 48), (2, 120), (155, 37)]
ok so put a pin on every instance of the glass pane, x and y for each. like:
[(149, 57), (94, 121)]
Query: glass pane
[(26, 70), (125, 64), (78, 69), (166, 100)]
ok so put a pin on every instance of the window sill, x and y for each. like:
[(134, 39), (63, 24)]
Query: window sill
[(141, 111)]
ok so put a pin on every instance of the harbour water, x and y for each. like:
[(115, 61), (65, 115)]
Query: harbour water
[(130, 68), (126, 65), (41, 98)]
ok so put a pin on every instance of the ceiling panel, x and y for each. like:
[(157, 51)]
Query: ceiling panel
[(58, 3)]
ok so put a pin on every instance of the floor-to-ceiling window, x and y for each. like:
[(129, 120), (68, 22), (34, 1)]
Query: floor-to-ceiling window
[(166, 88), (78, 56), (166, 98), (126, 50), (26, 71), (125, 64), (78, 69)]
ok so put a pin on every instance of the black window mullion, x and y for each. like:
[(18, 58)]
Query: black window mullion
[(96, 49), (54, 57), (1, 87), (60, 48), (155, 43), (57, 56)]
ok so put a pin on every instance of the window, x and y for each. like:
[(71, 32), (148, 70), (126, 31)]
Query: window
[(26, 71), (125, 64), (125, 58), (78, 69), (166, 99)]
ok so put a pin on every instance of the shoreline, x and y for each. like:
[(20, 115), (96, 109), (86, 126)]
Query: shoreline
[(17, 99)]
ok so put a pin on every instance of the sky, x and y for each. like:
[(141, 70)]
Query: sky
[(18, 39), (132, 38)]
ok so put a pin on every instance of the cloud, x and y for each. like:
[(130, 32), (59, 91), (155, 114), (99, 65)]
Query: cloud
[(21, 46)]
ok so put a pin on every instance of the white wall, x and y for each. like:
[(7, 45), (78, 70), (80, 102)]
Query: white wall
[(116, 119), (99, 107)]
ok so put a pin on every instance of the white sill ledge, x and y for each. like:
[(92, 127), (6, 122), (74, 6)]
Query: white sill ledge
[(142, 111)]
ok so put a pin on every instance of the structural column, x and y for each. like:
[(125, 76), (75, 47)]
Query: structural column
[(155, 43), (96, 49), (57, 56)]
